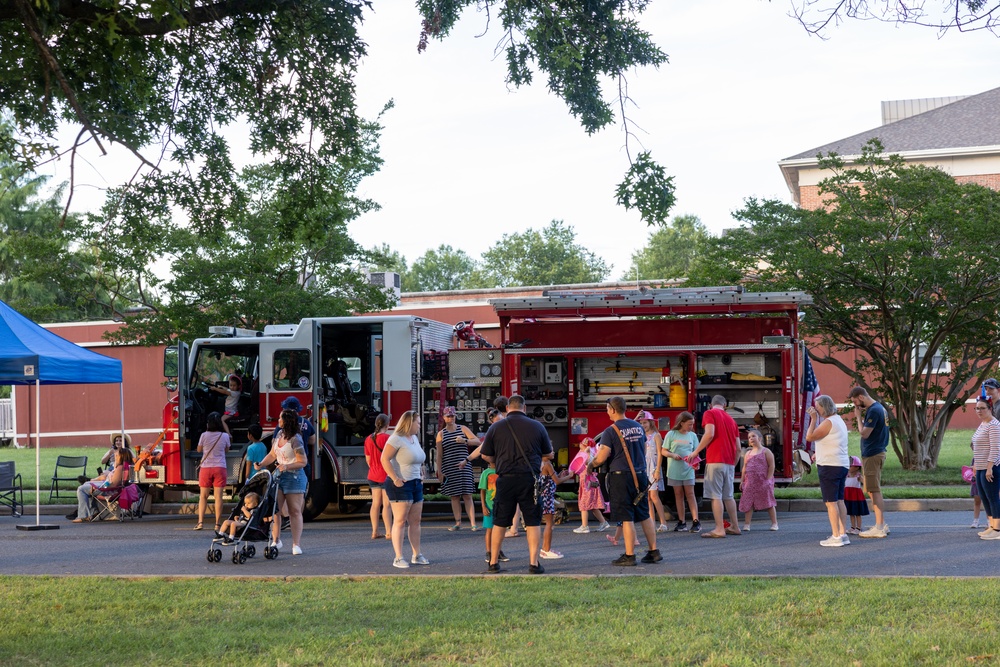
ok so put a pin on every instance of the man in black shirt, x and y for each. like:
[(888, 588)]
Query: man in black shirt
[(627, 480), (515, 447)]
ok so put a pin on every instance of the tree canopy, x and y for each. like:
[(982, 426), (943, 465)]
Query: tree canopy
[(669, 251), (166, 79), (438, 269), (963, 15), (902, 268), (547, 257)]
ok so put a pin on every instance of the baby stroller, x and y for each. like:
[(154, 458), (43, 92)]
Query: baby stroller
[(257, 528)]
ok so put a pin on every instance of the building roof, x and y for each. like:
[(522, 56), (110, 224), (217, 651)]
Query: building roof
[(970, 122)]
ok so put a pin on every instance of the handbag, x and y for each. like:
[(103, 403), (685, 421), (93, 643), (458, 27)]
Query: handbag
[(210, 450), (539, 486)]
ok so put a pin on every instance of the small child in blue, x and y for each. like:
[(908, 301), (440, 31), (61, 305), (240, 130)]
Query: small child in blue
[(255, 452), (488, 491)]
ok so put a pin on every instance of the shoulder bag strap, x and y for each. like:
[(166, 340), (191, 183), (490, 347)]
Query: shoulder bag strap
[(212, 448), (517, 441), (628, 456)]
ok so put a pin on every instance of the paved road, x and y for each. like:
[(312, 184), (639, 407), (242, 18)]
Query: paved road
[(921, 544)]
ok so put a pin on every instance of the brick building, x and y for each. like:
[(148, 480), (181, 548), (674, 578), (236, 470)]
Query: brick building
[(959, 135)]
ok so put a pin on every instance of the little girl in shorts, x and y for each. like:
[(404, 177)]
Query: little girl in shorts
[(854, 496)]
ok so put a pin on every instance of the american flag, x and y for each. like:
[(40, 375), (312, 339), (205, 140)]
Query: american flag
[(810, 390)]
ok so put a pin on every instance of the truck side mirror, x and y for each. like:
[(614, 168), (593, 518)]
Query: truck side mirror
[(170, 361)]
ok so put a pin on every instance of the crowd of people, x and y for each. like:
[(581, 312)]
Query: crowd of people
[(518, 481)]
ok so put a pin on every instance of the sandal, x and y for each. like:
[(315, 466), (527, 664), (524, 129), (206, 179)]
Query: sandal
[(612, 539), (198, 527), (454, 528)]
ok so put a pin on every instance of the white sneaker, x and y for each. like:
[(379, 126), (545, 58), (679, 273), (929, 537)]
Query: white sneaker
[(581, 529), (975, 524), (774, 526), (400, 563), (845, 540), (603, 527), (873, 532), (277, 545), (995, 535), (746, 527), (550, 554), (662, 528), (420, 560), (989, 529), (832, 541), (296, 550)]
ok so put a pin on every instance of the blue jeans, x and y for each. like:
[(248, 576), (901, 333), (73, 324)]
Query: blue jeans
[(990, 492)]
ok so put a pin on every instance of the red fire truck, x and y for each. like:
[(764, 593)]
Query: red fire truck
[(663, 350)]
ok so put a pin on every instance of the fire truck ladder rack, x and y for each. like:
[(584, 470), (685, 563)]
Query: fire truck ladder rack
[(645, 301)]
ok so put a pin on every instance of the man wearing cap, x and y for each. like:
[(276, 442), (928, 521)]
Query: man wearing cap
[(626, 480), (992, 389), (721, 443), (515, 447), (870, 419)]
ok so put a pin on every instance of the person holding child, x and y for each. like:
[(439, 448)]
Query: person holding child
[(229, 526), (757, 482), (854, 497), (589, 496), (680, 442)]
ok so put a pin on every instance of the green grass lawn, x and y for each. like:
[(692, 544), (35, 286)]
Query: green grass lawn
[(512, 620)]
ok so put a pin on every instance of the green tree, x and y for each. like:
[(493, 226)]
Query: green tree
[(385, 258), (41, 274), (443, 268), (547, 257), (165, 78), (902, 268), (670, 251), (276, 261)]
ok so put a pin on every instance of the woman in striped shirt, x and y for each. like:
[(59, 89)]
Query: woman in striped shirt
[(986, 463)]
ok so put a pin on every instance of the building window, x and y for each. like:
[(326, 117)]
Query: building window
[(937, 364)]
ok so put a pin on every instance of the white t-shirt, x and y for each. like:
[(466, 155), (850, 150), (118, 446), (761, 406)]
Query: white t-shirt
[(408, 458)]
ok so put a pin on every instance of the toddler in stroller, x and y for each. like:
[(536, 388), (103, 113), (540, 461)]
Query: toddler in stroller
[(250, 521)]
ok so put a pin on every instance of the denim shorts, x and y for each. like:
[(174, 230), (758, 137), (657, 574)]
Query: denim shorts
[(292, 481), (411, 491)]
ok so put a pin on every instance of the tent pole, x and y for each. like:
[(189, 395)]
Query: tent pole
[(121, 407), (38, 455)]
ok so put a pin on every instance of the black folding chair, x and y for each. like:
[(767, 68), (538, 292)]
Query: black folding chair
[(68, 469), (11, 494)]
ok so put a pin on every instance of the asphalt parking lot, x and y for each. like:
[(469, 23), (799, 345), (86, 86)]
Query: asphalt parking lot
[(922, 543)]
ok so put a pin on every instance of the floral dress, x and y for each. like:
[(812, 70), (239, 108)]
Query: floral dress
[(757, 488)]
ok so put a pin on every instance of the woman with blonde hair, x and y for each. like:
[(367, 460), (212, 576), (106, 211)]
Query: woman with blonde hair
[(402, 460)]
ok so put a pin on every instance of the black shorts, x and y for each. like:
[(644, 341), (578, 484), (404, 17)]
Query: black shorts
[(622, 491), (514, 491), (831, 482)]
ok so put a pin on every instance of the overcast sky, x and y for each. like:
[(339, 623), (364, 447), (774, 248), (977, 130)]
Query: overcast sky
[(467, 159)]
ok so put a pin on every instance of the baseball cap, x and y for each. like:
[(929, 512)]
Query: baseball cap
[(992, 383), (291, 403), (644, 415), (448, 410), (855, 462)]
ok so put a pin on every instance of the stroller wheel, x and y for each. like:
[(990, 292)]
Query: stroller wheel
[(211, 556), (243, 557), (236, 558), (217, 554), (267, 553), (251, 551)]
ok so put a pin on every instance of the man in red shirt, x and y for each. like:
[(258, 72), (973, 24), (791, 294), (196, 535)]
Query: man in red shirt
[(721, 443)]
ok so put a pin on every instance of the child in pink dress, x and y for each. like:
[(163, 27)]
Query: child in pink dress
[(590, 498), (757, 484)]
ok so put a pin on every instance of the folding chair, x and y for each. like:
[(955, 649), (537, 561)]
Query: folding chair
[(117, 502), (68, 469), (11, 493)]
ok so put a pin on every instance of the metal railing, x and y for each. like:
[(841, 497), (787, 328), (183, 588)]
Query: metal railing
[(6, 418)]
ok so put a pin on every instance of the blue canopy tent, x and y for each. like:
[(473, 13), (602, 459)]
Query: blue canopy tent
[(30, 355)]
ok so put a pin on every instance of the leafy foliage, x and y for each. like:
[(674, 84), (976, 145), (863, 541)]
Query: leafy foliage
[(902, 269), (547, 257), (444, 268), (670, 251), (41, 274)]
